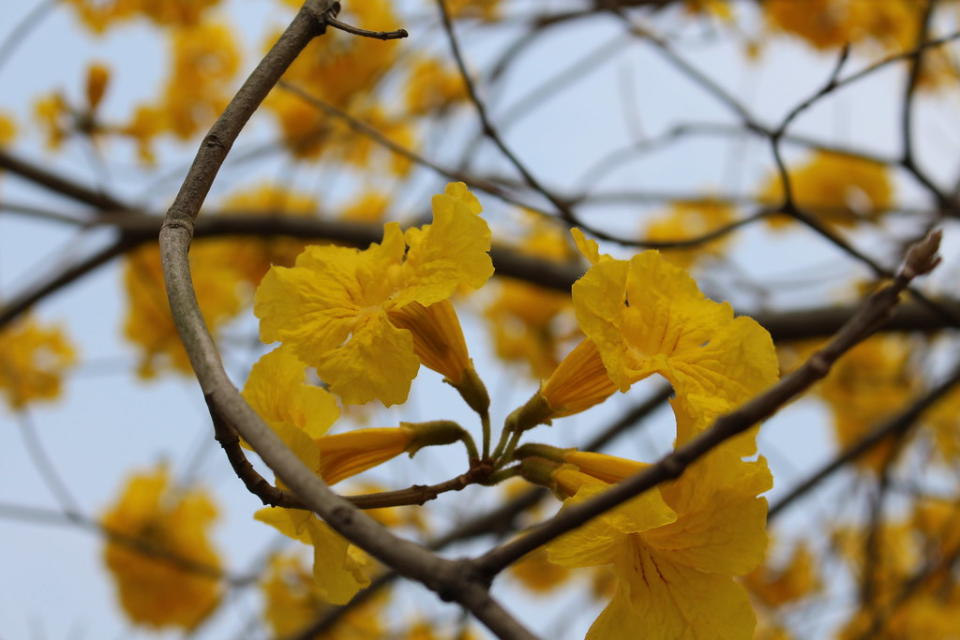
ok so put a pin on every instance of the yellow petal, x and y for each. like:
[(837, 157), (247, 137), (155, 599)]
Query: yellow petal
[(377, 362), (276, 390), (600, 540), (283, 521), (450, 253), (339, 572), (588, 247), (315, 305), (339, 569), (663, 601), (347, 454), (721, 523)]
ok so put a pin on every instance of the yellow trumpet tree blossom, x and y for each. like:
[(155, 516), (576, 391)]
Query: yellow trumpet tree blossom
[(163, 588), (333, 308)]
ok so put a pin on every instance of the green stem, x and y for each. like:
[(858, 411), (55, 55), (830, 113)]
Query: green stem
[(502, 474), (485, 424), (504, 434), (471, 446), (510, 448)]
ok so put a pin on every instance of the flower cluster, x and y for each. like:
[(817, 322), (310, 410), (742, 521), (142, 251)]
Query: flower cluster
[(365, 320), (165, 569)]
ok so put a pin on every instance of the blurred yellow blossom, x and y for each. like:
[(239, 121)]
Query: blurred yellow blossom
[(537, 574), (204, 57), (839, 190), (8, 129), (33, 361), (488, 10), (155, 591), (684, 220), (370, 207), (531, 324), (796, 579), (340, 67), (98, 77), (432, 86), (148, 323), (99, 15), (868, 385), (55, 118)]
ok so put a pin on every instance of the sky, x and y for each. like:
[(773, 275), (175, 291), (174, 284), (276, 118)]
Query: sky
[(109, 423)]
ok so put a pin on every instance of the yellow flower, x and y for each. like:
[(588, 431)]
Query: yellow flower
[(359, 150), (674, 550), (840, 190), (339, 568), (795, 580), (536, 573), (333, 307), (55, 118), (205, 58), (292, 603), (148, 323), (579, 382), (347, 454), (432, 87), (98, 77), (300, 414), (370, 207), (824, 24), (944, 419), (487, 10), (648, 316), (277, 390), (144, 126), (180, 13), (691, 219), (718, 8), (153, 591), (33, 360), (97, 15), (869, 384), (8, 129), (340, 67)]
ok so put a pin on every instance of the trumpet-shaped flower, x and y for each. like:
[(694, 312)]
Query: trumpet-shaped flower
[(334, 307), (33, 360), (648, 316), (156, 590), (674, 550), (300, 414)]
